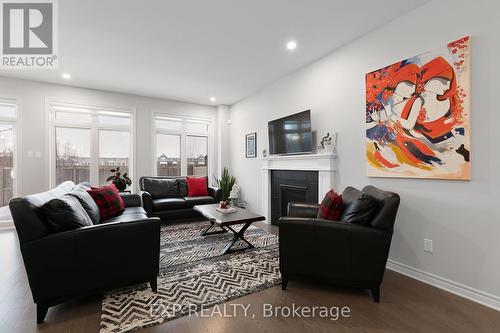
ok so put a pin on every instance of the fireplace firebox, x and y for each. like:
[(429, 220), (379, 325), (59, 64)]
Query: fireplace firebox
[(291, 186)]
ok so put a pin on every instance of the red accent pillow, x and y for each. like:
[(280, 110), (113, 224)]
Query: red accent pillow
[(331, 207), (108, 200), (197, 186)]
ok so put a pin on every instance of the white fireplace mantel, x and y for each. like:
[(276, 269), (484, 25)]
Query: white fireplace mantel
[(323, 163)]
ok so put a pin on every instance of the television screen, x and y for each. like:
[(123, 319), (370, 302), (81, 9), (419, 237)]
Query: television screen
[(291, 134)]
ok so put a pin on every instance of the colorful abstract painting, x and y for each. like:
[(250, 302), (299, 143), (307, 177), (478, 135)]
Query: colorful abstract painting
[(418, 116)]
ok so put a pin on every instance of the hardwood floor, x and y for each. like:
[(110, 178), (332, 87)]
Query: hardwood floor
[(406, 306)]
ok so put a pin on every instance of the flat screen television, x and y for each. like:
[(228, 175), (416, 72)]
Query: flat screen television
[(291, 134)]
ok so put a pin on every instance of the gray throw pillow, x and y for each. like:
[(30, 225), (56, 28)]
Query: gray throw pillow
[(87, 202), (66, 213)]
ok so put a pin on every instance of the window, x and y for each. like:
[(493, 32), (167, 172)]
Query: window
[(72, 154), (197, 155), (88, 141), (181, 146), (114, 151), (168, 154), (8, 122)]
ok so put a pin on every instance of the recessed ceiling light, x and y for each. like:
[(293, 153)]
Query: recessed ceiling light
[(66, 76), (213, 99), (291, 45)]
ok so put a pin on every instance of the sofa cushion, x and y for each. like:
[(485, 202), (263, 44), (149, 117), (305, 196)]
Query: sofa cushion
[(183, 187), (65, 213), (197, 186), (161, 188), (126, 218), (192, 201), (358, 206), (80, 192), (108, 200), (134, 210), (168, 204)]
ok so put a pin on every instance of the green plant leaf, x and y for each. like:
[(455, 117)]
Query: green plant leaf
[(225, 183)]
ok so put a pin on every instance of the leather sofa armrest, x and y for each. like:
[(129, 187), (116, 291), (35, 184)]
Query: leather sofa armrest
[(215, 193), (93, 256), (147, 202), (131, 199), (298, 209)]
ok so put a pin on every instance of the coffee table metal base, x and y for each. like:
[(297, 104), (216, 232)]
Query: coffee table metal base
[(213, 229), (237, 236)]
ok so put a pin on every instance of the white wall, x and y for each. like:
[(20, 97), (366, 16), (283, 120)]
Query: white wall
[(462, 217), (222, 138), (31, 94)]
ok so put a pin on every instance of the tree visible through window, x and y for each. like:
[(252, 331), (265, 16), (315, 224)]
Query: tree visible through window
[(89, 142), (72, 155)]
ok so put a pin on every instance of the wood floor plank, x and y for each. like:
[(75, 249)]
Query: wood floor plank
[(406, 305)]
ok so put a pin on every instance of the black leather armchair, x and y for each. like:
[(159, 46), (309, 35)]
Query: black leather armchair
[(65, 265), (343, 253)]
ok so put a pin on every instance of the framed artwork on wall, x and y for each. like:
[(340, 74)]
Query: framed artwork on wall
[(251, 145), (418, 116)]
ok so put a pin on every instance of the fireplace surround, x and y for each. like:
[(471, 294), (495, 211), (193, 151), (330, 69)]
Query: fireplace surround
[(323, 166)]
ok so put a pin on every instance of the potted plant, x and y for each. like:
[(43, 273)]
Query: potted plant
[(225, 183), (120, 181)]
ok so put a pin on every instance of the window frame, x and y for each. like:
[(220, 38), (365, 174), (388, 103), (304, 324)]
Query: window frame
[(94, 127), (183, 133), (17, 150)]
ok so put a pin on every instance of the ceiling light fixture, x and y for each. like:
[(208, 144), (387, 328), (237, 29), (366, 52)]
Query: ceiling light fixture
[(66, 76), (291, 45), (213, 99)]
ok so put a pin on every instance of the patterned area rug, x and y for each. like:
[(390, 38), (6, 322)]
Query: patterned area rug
[(193, 275)]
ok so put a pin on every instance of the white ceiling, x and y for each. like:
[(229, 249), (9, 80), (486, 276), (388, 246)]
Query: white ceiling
[(190, 50)]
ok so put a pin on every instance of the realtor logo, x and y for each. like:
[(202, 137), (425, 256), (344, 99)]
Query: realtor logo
[(28, 34)]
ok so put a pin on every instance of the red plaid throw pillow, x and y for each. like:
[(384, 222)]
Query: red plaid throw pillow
[(331, 206), (108, 200)]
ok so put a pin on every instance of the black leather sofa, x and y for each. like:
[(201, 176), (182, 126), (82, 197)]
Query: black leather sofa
[(167, 198), (342, 253), (120, 251)]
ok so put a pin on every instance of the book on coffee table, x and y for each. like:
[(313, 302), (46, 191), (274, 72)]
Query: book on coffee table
[(225, 210)]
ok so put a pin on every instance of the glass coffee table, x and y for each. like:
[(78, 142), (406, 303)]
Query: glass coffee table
[(224, 222)]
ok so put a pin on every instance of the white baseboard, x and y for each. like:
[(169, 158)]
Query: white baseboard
[(475, 295), (6, 225)]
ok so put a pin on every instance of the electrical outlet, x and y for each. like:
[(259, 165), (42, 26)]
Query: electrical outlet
[(427, 245)]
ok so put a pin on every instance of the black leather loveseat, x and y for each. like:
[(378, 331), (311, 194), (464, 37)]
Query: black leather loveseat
[(117, 252), (343, 253), (167, 198)]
